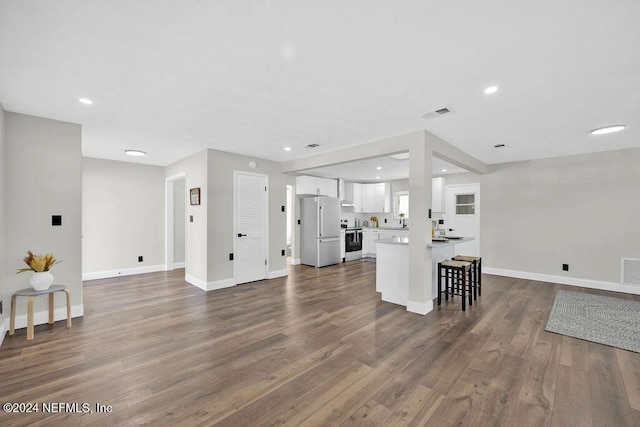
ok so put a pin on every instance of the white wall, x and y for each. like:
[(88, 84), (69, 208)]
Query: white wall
[(123, 217), (220, 192), (43, 178), (580, 210), (195, 168)]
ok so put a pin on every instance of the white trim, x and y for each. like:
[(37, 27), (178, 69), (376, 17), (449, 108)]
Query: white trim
[(277, 273), (179, 265), (571, 281), (3, 330), (122, 272), (42, 317), (420, 307), (209, 286), (295, 261)]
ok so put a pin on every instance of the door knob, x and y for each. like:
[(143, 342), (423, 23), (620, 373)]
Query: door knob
[(241, 235)]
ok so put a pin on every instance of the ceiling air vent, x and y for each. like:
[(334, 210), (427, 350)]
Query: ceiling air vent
[(499, 145), (435, 113), (312, 145)]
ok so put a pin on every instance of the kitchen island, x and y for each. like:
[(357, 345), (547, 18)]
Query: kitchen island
[(392, 266)]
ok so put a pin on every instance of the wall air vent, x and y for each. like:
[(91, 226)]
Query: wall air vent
[(435, 113), (312, 145), (630, 271)]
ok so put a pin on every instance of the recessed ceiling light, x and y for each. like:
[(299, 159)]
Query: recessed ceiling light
[(608, 129), (135, 153), (491, 89), (444, 170), (379, 167), (85, 101), (377, 177), (287, 148)]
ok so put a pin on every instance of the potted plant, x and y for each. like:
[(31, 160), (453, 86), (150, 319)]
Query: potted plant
[(40, 265)]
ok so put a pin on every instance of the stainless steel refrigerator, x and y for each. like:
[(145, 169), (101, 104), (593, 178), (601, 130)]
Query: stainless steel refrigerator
[(320, 231)]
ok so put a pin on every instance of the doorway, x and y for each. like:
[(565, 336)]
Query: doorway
[(175, 222), (250, 227), (463, 216)]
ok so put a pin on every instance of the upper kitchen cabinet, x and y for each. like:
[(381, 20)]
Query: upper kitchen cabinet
[(352, 196), (437, 195), (376, 198), (311, 185)]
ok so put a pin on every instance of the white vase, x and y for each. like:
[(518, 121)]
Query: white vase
[(41, 281)]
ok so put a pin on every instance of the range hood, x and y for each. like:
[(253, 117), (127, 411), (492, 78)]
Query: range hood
[(341, 195)]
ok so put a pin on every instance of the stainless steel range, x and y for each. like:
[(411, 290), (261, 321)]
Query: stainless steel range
[(353, 244)]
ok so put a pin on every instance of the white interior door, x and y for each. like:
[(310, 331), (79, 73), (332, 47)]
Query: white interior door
[(250, 232), (463, 216)]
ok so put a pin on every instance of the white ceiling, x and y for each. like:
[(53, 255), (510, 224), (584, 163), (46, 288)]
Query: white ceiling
[(251, 77), (366, 170)]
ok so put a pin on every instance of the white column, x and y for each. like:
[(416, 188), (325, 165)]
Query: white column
[(420, 171)]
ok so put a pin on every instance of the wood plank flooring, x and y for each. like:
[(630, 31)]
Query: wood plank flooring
[(317, 348)]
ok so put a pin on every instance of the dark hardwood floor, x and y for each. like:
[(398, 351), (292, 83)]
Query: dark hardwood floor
[(317, 348)]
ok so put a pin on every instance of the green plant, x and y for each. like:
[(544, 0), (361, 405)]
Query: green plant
[(38, 263)]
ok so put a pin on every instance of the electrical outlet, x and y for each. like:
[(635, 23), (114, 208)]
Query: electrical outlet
[(140, 258), (565, 267)]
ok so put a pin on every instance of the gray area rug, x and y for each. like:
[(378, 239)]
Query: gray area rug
[(605, 320)]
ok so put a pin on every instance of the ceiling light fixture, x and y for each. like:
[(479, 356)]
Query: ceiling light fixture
[(377, 177), (287, 148), (444, 170), (608, 129), (86, 101), (491, 89), (135, 153), (379, 167)]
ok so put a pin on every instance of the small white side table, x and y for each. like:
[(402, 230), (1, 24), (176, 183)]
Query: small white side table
[(32, 294)]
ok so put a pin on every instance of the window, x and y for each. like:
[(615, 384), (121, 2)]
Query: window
[(401, 204), (465, 204)]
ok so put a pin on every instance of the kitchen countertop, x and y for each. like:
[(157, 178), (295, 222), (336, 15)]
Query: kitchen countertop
[(405, 241), (387, 228)]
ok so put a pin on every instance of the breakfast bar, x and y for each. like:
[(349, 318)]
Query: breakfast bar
[(392, 265)]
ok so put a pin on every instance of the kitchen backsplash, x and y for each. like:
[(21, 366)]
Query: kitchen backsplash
[(351, 218)]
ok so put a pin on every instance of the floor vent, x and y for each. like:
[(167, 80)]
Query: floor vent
[(630, 271)]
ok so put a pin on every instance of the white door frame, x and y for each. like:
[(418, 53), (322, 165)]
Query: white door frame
[(265, 207), (168, 220)]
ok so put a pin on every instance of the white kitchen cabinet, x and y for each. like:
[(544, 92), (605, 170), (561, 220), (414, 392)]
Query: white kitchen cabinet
[(369, 237), (311, 185), (386, 233), (376, 198), (437, 195), (353, 195), (343, 248)]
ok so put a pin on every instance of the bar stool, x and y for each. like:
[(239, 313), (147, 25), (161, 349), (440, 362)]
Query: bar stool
[(476, 270), (455, 276)]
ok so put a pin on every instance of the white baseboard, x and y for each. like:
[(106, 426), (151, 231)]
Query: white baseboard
[(420, 307), (295, 261), (571, 281), (179, 265), (122, 272), (209, 286), (3, 330), (277, 273), (42, 317)]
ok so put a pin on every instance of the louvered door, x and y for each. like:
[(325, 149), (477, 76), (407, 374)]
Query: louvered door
[(250, 227)]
